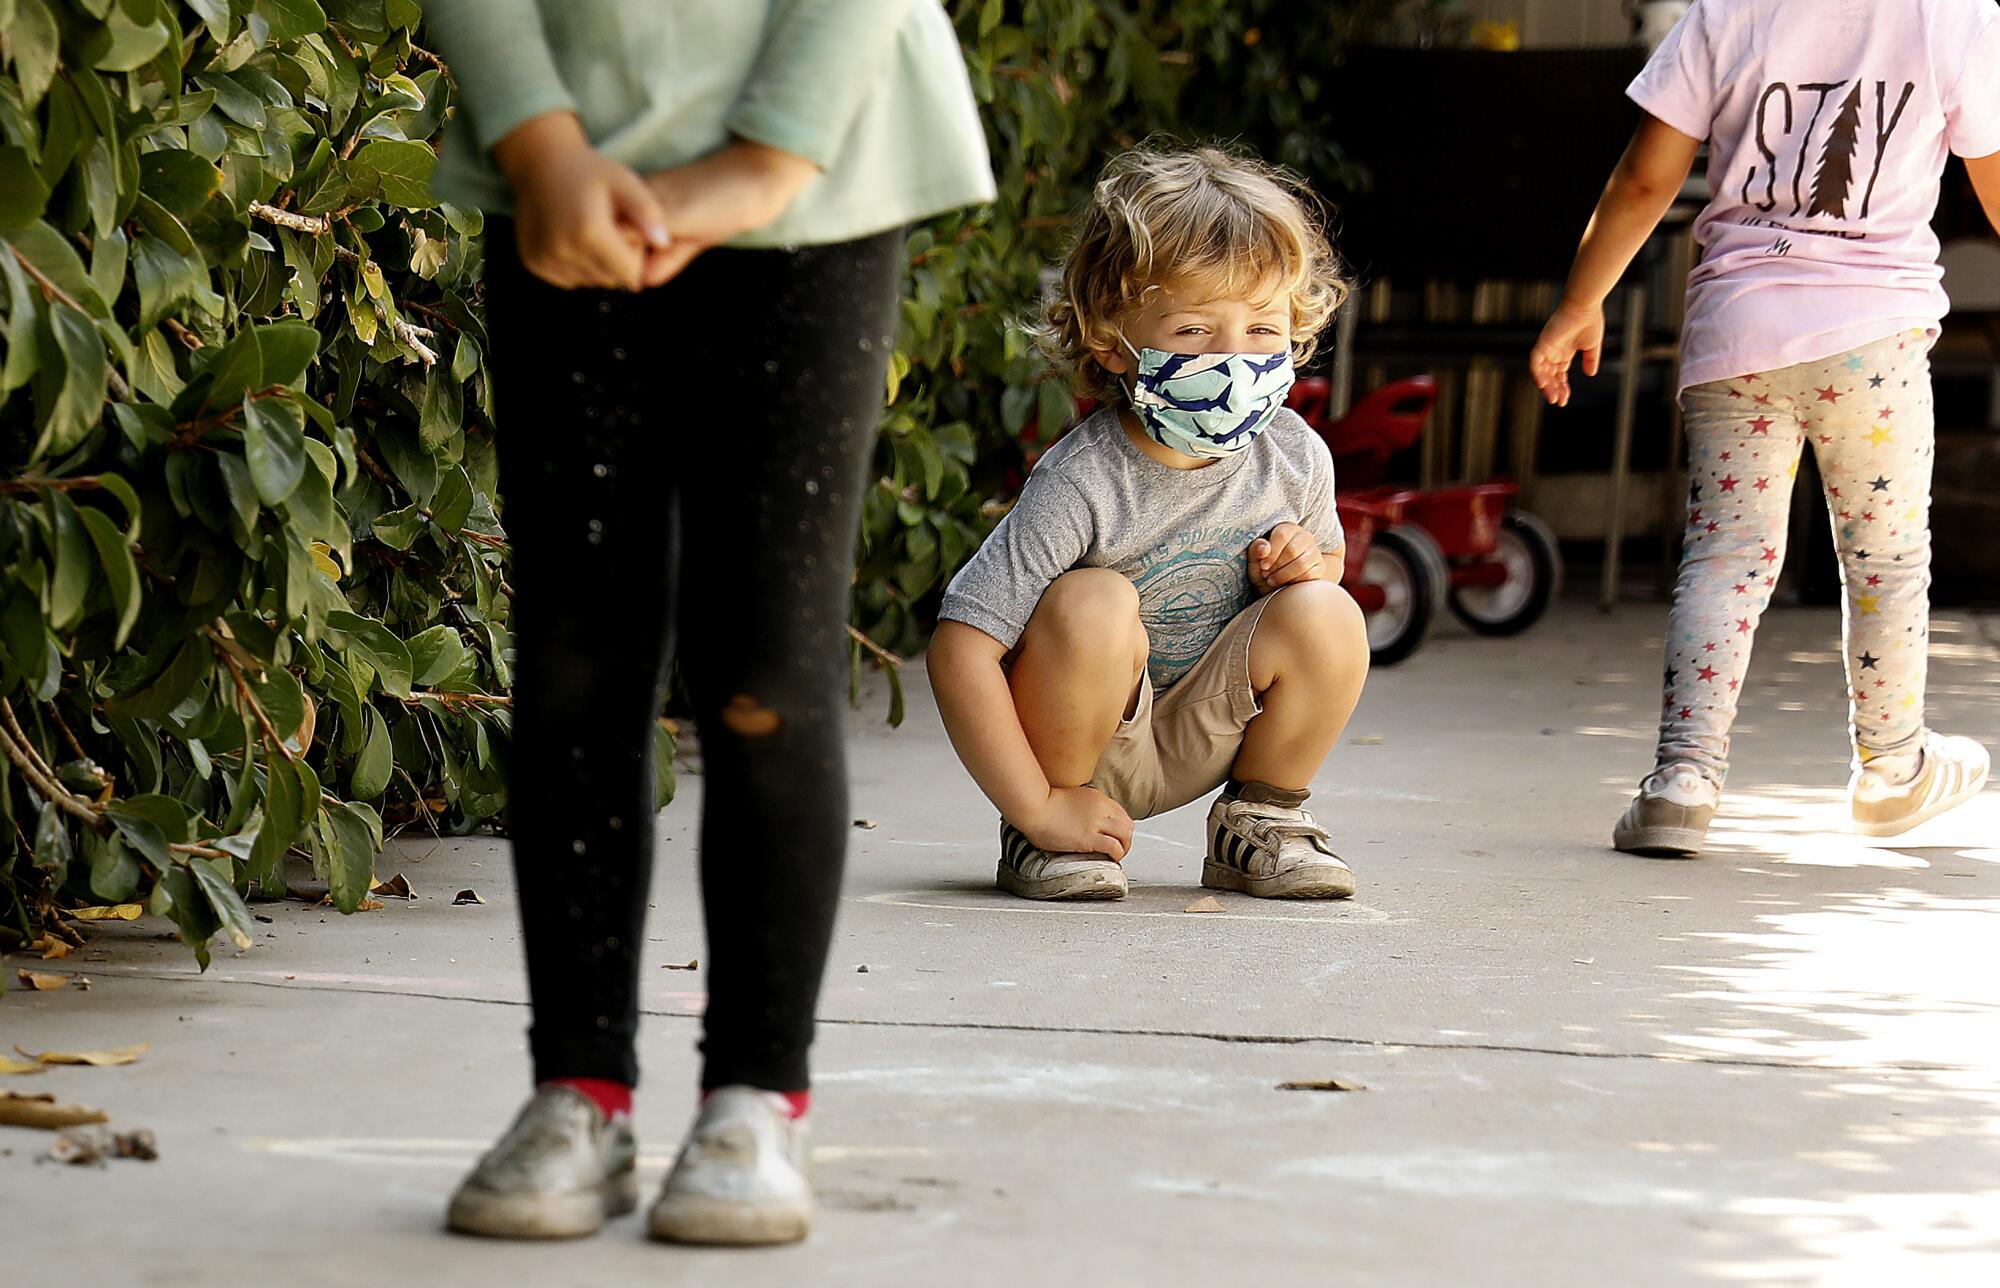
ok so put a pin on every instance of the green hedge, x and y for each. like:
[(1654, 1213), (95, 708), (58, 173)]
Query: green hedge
[(253, 596)]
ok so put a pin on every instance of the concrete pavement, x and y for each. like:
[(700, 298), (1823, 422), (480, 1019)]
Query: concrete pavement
[(1779, 1064)]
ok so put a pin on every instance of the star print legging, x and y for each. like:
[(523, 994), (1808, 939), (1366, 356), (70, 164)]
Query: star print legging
[(682, 471), (1867, 416)]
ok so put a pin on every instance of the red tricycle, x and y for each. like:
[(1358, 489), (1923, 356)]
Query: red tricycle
[(1410, 551)]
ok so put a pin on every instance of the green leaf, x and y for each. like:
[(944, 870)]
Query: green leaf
[(179, 181), (24, 315), (291, 19), (114, 870), (284, 814), (133, 44), (274, 447), (283, 700), (171, 687), (276, 353), (234, 100), (55, 258), (373, 766), (189, 909), (217, 882), (378, 646), (121, 574), (404, 170), (167, 279), (79, 403), (145, 836), (453, 501), (34, 41), (52, 848), (75, 565), (23, 195), (442, 418), (436, 654), (663, 765), (351, 864), (399, 528)]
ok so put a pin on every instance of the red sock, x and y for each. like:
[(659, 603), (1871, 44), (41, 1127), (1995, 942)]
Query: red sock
[(796, 1102), (614, 1098)]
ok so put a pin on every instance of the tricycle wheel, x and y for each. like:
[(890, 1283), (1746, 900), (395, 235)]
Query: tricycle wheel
[(1527, 550), (1397, 566)]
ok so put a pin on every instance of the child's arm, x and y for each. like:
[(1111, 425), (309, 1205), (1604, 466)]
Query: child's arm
[(978, 709), (1985, 172), (1642, 188)]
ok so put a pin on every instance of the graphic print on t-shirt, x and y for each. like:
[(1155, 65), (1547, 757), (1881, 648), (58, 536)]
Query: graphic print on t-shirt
[(1788, 138), (1189, 589)]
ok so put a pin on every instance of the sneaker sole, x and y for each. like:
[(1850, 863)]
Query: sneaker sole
[(700, 1219), (1660, 842), (1319, 881), (1902, 825), (539, 1216), (1101, 884)]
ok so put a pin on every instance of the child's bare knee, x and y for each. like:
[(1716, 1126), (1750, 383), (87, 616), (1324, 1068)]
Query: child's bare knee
[(1312, 623), (1089, 607)]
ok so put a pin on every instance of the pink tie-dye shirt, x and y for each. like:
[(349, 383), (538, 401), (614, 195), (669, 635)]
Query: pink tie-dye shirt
[(1828, 122)]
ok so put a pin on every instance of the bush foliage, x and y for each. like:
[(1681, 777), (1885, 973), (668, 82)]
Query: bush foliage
[(253, 595)]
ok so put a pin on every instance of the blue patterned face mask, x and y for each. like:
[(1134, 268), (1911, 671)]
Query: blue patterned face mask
[(1209, 405)]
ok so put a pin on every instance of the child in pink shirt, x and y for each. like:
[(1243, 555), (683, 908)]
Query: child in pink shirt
[(1809, 321)]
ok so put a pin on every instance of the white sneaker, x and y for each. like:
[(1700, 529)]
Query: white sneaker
[(1042, 874), (1953, 771), (741, 1176), (560, 1171), (1265, 843), (1670, 816)]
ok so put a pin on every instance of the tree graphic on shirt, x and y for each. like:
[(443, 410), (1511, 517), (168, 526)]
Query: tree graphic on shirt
[(1836, 161)]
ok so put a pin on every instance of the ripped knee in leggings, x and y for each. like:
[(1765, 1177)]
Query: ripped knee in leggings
[(749, 718)]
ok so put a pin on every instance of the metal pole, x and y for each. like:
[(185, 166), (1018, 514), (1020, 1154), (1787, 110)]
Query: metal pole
[(1345, 322), (1633, 356)]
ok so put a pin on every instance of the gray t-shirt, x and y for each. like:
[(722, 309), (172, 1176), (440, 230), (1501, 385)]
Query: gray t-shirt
[(1182, 536)]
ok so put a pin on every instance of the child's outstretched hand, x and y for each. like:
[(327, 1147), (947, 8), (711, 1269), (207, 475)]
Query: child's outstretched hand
[(1079, 820), (1289, 554), (580, 218), (1571, 331)]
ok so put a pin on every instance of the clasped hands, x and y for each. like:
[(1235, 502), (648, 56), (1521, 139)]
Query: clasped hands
[(583, 220)]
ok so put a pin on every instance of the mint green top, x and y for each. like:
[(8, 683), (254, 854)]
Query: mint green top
[(874, 92)]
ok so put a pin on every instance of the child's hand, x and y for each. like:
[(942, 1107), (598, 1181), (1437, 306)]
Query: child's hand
[(1571, 331), (1079, 820), (580, 219), (1289, 554), (736, 189)]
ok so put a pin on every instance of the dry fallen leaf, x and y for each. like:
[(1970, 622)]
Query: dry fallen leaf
[(44, 1111), (865, 824), (107, 912), (53, 949), (41, 981), (371, 905), (466, 896), (692, 963), (396, 887), (1366, 740), (1207, 903), (1322, 1084), (8, 1064), (100, 1059)]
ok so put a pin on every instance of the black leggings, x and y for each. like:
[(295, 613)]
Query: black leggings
[(684, 463)]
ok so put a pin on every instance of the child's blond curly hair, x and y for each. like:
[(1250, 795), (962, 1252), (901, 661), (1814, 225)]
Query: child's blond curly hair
[(1229, 225)]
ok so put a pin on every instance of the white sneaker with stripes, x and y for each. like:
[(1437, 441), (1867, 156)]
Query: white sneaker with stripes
[(1952, 771), (1040, 874), (1264, 843)]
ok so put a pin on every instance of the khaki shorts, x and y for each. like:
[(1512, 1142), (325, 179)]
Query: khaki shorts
[(1182, 745)]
